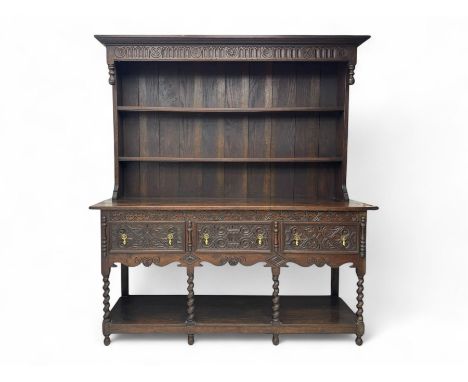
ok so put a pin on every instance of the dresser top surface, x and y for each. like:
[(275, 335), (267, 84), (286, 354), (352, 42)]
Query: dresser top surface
[(354, 40), (229, 204)]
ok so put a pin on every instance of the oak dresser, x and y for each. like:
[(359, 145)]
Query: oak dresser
[(231, 150)]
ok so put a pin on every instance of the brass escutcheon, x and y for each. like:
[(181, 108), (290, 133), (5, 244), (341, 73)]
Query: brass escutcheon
[(260, 238), (344, 240), (205, 238), (170, 237), (296, 238), (123, 238)]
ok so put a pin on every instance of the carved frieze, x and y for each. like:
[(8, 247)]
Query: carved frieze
[(230, 215), (362, 241), (189, 259), (232, 260), (320, 260), (162, 237), (277, 261), (103, 235), (232, 52), (146, 261)]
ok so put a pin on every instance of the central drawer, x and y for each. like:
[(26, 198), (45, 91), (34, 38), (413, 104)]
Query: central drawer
[(156, 236), (235, 236)]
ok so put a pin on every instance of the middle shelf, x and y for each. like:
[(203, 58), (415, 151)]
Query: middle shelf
[(232, 160), (176, 109)]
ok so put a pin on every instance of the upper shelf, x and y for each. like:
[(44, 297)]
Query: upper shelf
[(163, 109)]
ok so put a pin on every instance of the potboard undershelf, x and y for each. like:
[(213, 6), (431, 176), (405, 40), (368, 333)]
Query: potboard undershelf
[(231, 314)]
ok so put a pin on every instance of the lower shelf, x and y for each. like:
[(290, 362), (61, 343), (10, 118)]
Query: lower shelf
[(231, 314)]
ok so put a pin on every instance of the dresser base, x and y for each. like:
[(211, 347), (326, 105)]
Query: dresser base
[(231, 314)]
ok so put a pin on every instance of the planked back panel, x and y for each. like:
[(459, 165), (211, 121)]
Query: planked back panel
[(231, 135)]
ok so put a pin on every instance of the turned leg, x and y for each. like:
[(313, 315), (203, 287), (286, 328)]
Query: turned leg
[(359, 318), (335, 281), (190, 303), (106, 318), (191, 339), (124, 279), (276, 302)]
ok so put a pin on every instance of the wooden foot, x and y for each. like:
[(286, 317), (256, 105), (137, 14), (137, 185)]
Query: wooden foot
[(275, 339), (107, 340), (191, 339), (358, 340)]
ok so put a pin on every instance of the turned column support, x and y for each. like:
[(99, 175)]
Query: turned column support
[(190, 303), (361, 271), (106, 309), (276, 302), (105, 271), (360, 328)]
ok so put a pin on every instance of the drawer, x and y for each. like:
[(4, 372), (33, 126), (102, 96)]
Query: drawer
[(157, 236), (319, 237), (235, 236)]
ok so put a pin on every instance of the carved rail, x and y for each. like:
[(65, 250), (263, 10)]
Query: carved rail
[(231, 52)]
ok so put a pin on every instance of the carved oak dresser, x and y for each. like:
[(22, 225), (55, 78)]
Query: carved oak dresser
[(231, 150)]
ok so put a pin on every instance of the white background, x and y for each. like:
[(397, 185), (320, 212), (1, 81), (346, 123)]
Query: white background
[(407, 154)]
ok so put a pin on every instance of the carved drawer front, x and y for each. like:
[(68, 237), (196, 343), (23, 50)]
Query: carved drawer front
[(315, 237), (234, 236), (156, 236)]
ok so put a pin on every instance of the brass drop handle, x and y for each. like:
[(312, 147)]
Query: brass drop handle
[(206, 238), (123, 238), (170, 237), (344, 240), (260, 238), (296, 238)]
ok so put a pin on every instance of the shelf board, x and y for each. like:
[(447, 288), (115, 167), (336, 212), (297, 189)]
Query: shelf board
[(231, 314), (163, 109), (232, 160)]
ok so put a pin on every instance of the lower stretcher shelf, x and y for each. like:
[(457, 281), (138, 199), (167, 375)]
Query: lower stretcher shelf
[(231, 314)]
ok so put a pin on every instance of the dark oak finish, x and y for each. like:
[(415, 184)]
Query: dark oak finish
[(231, 150)]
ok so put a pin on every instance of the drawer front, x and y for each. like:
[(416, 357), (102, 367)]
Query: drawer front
[(235, 236), (315, 237), (157, 236)]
